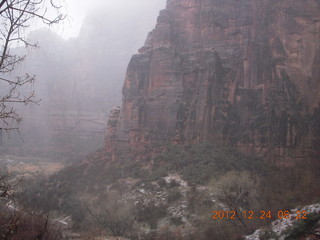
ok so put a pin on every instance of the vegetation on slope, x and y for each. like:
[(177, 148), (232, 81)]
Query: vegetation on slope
[(171, 191)]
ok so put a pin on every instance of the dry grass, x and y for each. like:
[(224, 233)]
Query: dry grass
[(26, 169), (24, 166)]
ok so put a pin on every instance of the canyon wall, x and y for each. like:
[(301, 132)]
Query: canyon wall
[(244, 73)]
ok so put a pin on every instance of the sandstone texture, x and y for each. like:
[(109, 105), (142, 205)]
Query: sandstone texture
[(244, 73)]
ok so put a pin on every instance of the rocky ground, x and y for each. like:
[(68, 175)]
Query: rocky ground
[(293, 227)]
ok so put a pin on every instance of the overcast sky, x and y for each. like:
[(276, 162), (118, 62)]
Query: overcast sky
[(77, 10)]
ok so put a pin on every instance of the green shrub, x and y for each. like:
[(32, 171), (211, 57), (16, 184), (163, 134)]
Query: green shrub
[(173, 183), (151, 214), (177, 221), (174, 195), (162, 183), (158, 173), (197, 163)]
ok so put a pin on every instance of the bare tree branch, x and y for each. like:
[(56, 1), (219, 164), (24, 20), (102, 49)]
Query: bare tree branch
[(15, 18)]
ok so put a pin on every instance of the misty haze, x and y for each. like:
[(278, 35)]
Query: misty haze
[(159, 120)]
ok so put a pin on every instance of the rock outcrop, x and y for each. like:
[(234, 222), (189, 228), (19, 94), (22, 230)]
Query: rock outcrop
[(240, 72), (112, 129)]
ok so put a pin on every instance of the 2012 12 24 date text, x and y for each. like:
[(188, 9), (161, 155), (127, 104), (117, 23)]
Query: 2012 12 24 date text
[(263, 215)]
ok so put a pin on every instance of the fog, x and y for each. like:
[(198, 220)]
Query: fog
[(80, 68), (77, 11)]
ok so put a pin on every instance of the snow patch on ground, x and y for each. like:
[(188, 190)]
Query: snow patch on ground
[(280, 226)]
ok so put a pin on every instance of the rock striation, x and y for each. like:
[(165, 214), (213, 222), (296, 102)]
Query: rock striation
[(243, 72)]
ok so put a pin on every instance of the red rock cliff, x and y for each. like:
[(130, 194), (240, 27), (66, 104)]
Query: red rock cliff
[(245, 72)]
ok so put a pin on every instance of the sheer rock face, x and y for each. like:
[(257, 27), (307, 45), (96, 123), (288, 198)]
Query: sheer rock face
[(243, 72)]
